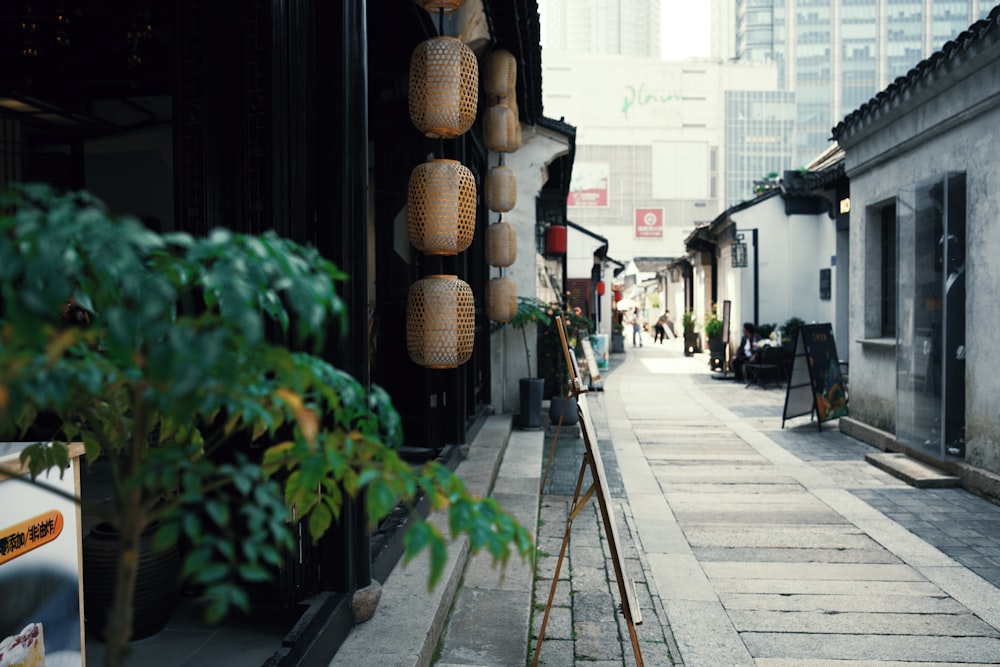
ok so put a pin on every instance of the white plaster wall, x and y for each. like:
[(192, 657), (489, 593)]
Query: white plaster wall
[(949, 123), (539, 148), (792, 250)]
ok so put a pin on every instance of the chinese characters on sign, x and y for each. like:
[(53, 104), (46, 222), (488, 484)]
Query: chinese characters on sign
[(26, 535), (649, 223), (589, 185)]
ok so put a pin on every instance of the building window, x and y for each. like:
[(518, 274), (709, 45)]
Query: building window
[(888, 272)]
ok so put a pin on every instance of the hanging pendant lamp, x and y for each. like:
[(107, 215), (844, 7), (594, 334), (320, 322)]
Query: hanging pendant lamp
[(444, 85), (501, 74), (440, 318), (500, 129), (501, 244), (441, 207), (501, 299), (501, 189), (447, 5)]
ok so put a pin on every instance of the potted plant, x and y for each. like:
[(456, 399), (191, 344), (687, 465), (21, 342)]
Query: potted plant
[(790, 331), (184, 345), (552, 361), (716, 348), (531, 311), (617, 334), (691, 343)]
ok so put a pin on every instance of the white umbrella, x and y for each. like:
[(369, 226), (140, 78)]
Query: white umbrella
[(625, 304)]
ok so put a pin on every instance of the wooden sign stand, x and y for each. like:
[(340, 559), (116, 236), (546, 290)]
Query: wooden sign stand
[(599, 486)]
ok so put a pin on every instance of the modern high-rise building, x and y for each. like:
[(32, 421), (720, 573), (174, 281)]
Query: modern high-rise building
[(622, 27), (835, 55)]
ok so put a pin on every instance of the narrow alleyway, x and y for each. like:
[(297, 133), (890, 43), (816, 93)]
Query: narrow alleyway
[(756, 545)]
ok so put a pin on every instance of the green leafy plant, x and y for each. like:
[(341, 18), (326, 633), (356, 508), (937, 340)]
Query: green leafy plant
[(176, 347), (530, 310), (790, 329), (689, 322), (713, 327), (551, 360)]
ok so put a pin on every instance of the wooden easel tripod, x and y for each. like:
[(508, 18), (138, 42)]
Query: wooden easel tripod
[(592, 461)]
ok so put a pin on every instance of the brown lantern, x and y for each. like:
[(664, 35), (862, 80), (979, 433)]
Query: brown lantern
[(440, 316), (501, 189), (501, 74), (444, 87), (501, 244), (501, 299), (500, 131), (441, 207), (447, 5)]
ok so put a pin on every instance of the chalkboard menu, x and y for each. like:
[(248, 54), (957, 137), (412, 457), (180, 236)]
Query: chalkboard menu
[(816, 384)]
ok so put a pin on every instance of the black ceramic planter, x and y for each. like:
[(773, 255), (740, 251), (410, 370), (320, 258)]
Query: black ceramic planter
[(531, 402), (565, 407), (155, 586)]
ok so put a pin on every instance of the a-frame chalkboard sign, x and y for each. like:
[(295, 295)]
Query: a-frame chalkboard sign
[(815, 385), (599, 486)]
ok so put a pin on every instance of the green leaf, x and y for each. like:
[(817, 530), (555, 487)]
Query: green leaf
[(320, 519)]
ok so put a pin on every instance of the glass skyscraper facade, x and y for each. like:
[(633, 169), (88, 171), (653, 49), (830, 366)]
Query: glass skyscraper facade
[(835, 55), (760, 132), (623, 27)]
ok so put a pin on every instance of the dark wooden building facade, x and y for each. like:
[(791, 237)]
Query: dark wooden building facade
[(285, 115)]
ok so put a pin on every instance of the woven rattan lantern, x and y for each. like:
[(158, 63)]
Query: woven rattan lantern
[(441, 207), (501, 299), (501, 244), (447, 5), (444, 87), (440, 318), (501, 75), (501, 189), (500, 129)]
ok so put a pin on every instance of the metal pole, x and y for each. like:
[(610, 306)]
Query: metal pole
[(756, 282)]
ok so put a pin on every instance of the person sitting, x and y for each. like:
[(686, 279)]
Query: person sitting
[(745, 351)]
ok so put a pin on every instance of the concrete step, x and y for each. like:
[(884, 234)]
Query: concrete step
[(913, 472)]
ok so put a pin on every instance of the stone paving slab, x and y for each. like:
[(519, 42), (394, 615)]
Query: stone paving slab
[(913, 604), (913, 472), (828, 536), (827, 587), (470, 641), (875, 554), (858, 623), (950, 650), (772, 516), (811, 571)]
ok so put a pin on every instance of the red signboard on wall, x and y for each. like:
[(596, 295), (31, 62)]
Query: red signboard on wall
[(648, 223), (589, 185)]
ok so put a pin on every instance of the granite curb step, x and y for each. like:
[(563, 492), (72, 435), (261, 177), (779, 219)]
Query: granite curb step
[(913, 472), (410, 619)]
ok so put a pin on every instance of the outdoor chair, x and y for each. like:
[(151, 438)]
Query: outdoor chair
[(766, 367)]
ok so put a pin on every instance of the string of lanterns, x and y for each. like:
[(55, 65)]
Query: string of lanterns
[(501, 134), (441, 195)]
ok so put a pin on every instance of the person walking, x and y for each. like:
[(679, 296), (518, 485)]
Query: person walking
[(636, 327)]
